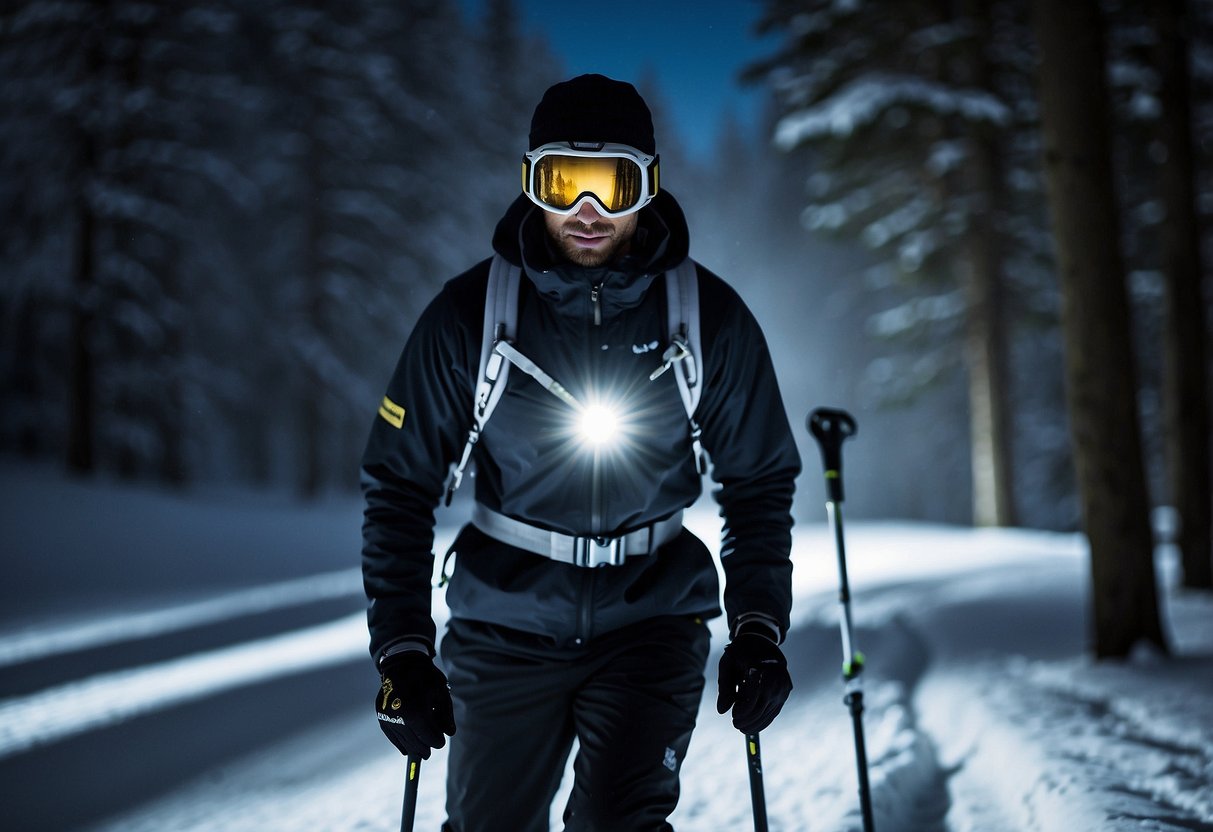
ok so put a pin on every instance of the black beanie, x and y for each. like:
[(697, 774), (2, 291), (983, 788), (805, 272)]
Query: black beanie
[(593, 108)]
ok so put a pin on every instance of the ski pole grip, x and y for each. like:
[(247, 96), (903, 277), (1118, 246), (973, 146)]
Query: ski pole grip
[(830, 427)]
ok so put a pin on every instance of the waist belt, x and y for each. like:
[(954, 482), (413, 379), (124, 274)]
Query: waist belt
[(573, 549)]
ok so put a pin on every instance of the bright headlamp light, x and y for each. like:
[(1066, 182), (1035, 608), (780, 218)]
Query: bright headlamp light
[(599, 424)]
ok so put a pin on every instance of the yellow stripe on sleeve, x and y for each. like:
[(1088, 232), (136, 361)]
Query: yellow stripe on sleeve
[(392, 413)]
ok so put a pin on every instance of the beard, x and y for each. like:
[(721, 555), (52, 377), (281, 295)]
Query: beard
[(618, 240)]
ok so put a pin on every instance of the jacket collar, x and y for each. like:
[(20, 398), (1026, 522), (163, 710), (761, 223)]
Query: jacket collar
[(661, 243)]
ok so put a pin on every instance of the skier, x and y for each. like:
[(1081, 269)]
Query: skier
[(577, 599)]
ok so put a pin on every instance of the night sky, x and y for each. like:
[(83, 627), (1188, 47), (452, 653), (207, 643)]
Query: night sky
[(695, 50)]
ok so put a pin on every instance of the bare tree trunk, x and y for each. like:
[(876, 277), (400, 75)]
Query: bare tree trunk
[(1101, 385), (1186, 357), (27, 377), (170, 417), (82, 371), (312, 432), (981, 276), (81, 402), (985, 357)]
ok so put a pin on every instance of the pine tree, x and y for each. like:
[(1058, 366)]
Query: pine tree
[(1101, 382), (107, 156), (902, 108), (511, 73), (220, 221), (1186, 348), (1158, 178)]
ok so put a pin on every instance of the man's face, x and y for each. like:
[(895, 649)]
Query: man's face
[(589, 239)]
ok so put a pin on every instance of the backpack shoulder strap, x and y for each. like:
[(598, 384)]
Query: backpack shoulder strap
[(682, 310), (500, 324), (685, 354)]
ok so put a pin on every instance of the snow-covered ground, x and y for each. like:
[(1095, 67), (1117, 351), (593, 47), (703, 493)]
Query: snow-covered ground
[(984, 714)]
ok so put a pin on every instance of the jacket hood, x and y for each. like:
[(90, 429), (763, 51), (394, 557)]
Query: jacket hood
[(662, 241)]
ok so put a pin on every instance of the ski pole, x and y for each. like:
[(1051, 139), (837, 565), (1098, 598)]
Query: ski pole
[(757, 793), (410, 793), (830, 428)]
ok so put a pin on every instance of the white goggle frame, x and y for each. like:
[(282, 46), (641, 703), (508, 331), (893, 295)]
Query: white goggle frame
[(649, 169)]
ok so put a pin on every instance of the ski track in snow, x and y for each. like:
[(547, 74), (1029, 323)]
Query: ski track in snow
[(1070, 745), (1137, 763)]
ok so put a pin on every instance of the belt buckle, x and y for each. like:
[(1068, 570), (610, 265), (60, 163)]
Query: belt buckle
[(598, 551)]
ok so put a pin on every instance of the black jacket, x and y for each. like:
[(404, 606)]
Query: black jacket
[(529, 466)]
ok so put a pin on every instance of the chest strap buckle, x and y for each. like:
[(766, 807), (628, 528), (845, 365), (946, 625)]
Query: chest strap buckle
[(593, 551)]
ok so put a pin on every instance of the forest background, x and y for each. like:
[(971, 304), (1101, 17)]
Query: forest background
[(219, 220)]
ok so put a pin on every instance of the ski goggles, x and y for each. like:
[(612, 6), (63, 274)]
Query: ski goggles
[(616, 178)]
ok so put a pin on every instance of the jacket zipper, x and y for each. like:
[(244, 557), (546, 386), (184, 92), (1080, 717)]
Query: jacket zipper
[(596, 508), (585, 596), (587, 580)]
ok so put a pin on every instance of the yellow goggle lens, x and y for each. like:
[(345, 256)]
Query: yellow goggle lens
[(560, 181)]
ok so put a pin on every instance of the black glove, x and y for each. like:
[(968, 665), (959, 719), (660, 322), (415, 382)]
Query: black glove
[(414, 704), (754, 681)]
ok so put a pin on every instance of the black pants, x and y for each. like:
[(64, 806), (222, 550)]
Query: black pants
[(630, 698)]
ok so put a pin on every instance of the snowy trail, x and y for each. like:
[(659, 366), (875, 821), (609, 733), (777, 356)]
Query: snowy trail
[(809, 759), (113, 698), (1123, 764), (45, 640), (1039, 738), (344, 778), (982, 717), (982, 713)]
